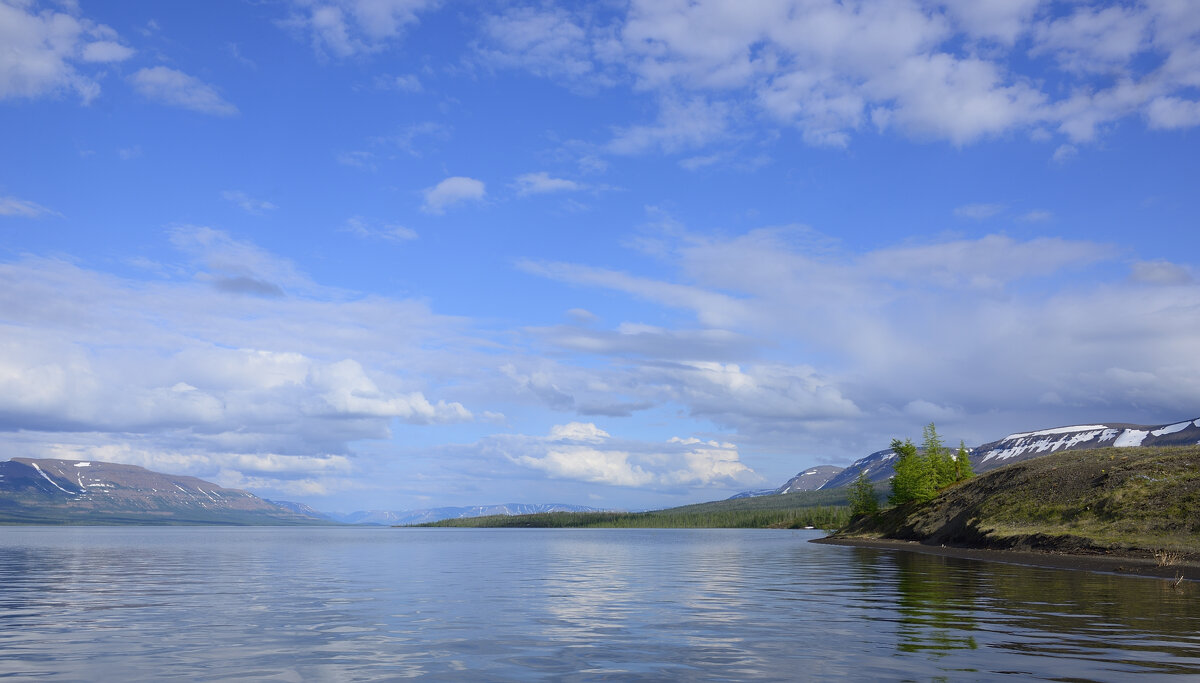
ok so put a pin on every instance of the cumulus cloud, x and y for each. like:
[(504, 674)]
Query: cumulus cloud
[(584, 452), (1172, 112), (451, 191), (1095, 39), (165, 372), (175, 88), (953, 70), (44, 52), (549, 42)]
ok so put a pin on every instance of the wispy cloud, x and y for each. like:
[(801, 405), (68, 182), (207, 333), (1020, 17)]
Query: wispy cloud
[(12, 206), (177, 89), (344, 28), (978, 212), (366, 228), (247, 203), (542, 183), (1036, 216)]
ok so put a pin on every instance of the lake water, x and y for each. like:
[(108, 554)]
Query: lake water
[(339, 604)]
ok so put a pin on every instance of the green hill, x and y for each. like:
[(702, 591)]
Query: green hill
[(1136, 502), (822, 509)]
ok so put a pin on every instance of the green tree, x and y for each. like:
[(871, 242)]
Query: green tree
[(862, 496), (941, 465), (962, 463), (913, 480)]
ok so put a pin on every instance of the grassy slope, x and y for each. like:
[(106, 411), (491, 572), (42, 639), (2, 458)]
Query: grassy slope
[(1132, 501), (825, 509)]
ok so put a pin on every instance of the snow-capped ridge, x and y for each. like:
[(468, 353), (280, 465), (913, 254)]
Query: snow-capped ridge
[(1020, 446)]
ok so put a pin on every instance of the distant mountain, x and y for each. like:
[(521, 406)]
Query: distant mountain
[(1027, 445), (79, 492), (810, 479), (753, 494), (393, 517), (301, 509), (877, 465)]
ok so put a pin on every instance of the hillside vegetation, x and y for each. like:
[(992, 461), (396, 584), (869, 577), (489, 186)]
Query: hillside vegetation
[(821, 509), (1132, 501)]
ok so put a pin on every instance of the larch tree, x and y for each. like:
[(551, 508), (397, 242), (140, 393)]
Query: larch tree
[(913, 480), (962, 463), (862, 496), (941, 465)]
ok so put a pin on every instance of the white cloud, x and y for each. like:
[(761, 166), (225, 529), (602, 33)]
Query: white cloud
[(953, 70), (1095, 39), (978, 212), (235, 266), (12, 206), (542, 183), (40, 51), (451, 191), (990, 261), (402, 83), (247, 203), (362, 227), (999, 20), (952, 324), (698, 162), (547, 41), (344, 28), (1036, 216), (174, 365), (578, 431), (1064, 153), (584, 452), (680, 126), (106, 51), (718, 309), (1161, 273), (177, 89), (1171, 113)]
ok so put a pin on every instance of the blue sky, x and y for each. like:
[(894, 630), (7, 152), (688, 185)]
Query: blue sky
[(400, 253)]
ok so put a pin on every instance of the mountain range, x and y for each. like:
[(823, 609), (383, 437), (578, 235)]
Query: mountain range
[(49, 491), (397, 517)]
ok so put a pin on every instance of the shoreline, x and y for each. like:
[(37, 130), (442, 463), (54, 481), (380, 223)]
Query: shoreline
[(1110, 564)]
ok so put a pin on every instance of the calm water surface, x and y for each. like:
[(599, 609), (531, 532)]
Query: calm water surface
[(343, 604)]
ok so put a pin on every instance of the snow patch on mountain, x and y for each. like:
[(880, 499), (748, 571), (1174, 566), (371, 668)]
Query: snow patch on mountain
[(1131, 437)]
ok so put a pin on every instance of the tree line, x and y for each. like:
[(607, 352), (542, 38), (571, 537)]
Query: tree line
[(919, 473)]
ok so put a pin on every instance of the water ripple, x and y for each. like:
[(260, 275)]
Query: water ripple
[(368, 604)]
